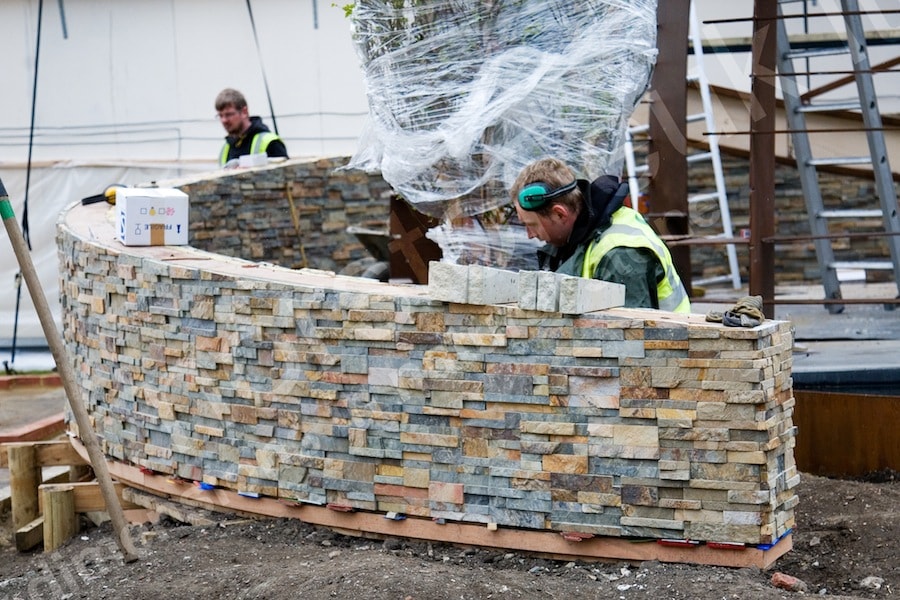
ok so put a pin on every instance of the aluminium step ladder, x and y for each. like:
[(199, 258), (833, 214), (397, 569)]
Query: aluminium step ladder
[(867, 104), (713, 155)]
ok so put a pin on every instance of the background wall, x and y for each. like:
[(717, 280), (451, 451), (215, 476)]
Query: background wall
[(137, 79)]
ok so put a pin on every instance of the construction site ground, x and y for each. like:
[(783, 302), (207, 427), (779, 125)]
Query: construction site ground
[(845, 546), (846, 543)]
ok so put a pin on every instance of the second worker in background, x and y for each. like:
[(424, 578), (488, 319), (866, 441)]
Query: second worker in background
[(246, 134)]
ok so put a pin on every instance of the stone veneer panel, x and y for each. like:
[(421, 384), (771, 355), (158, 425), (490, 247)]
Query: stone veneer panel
[(293, 214), (304, 385)]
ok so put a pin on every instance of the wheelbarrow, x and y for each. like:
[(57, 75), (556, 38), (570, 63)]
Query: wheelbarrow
[(375, 241)]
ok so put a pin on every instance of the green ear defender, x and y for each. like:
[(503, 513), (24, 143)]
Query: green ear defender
[(538, 194)]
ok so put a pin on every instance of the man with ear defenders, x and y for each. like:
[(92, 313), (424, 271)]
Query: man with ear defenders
[(589, 232)]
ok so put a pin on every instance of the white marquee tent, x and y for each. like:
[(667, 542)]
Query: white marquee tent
[(124, 94), (113, 91)]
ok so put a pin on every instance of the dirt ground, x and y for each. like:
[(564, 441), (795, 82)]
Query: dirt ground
[(845, 546)]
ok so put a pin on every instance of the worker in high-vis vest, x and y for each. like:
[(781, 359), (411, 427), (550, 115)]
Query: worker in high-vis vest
[(246, 134), (589, 232)]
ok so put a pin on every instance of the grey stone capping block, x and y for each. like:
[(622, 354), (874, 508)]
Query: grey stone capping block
[(578, 295), (528, 287), (448, 282), (488, 285), (547, 296)]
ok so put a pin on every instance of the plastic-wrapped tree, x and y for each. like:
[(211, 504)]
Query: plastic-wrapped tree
[(464, 93)]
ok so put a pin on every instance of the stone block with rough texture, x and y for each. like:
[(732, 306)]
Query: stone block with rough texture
[(448, 282), (488, 285)]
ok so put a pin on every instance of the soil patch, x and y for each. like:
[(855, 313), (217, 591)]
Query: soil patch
[(845, 546)]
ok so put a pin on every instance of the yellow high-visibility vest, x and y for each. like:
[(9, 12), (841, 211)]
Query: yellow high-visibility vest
[(258, 145), (629, 229)]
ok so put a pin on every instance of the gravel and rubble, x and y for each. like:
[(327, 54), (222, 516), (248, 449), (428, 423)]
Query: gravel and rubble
[(845, 546)]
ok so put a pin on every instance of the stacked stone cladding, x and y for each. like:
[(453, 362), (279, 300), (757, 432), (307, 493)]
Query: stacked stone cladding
[(323, 389), (293, 214)]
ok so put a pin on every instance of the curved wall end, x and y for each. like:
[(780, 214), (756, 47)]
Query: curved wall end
[(307, 387)]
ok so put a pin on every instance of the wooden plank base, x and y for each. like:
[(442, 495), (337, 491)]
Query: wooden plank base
[(545, 543), (39, 430), (30, 536), (162, 506), (88, 498)]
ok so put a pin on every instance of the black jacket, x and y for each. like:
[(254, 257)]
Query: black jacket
[(602, 197), (239, 146)]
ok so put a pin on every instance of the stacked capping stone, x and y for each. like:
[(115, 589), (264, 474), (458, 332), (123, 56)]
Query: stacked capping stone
[(621, 423), (250, 213)]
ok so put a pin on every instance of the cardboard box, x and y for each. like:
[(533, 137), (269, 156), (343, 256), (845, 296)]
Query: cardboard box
[(152, 216)]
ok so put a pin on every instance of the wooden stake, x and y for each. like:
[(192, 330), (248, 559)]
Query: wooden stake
[(24, 479), (60, 522), (67, 375), (29, 536)]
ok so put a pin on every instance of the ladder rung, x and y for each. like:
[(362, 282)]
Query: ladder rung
[(695, 117), (692, 158), (638, 169), (826, 106), (639, 129), (703, 197), (851, 214), (873, 265), (814, 52), (709, 280), (839, 160)]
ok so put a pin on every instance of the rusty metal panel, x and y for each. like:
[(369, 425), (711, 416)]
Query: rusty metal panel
[(843, 434), (410, 250)]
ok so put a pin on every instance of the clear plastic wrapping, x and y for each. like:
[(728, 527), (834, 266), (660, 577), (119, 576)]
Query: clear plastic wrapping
[(472, 242), (464, 93)]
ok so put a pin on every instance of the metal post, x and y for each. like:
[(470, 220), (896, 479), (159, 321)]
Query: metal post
[(667, 151), (762, 154)]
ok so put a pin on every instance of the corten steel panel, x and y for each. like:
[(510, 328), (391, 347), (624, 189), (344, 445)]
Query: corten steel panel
[(846, 435), (410, 250)]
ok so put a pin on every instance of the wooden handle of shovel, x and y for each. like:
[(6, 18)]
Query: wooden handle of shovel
[(57, 348)]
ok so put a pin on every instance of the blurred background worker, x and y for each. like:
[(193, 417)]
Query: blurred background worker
[(246, 134)]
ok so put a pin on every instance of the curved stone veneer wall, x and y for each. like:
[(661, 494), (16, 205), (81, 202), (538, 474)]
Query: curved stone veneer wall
[(293, 214), (325, 389)]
